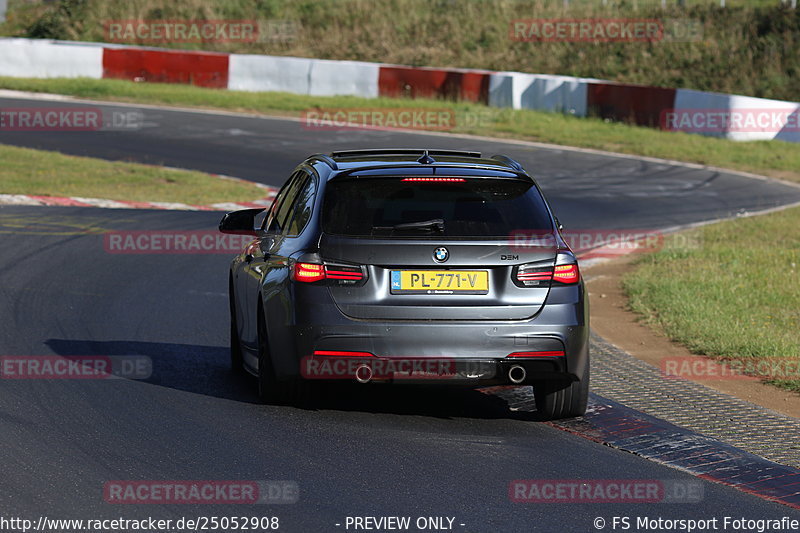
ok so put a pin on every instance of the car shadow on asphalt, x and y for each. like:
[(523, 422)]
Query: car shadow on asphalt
[(202, 369), (412, 400), (192, 368)]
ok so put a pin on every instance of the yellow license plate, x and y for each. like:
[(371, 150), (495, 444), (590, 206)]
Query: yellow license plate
[(440, 282)]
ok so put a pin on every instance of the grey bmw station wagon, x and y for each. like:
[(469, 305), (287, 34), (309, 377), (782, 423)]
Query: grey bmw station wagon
[(404, 265)]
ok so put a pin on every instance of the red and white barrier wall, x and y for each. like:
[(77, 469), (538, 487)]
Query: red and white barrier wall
[(635, 104), (204, 69), (28, 58), (318, 77), (764, 125), (642, 105), (544, 92), (396, 81)]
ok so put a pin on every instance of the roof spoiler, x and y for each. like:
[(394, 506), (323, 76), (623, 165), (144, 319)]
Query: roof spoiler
[(404, 151), (508, 161)]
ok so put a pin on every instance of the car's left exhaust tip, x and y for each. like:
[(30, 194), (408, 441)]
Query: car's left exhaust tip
[(516, 374), (364, 374)]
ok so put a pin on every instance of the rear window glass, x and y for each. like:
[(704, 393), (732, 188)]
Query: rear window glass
[(473, 207)]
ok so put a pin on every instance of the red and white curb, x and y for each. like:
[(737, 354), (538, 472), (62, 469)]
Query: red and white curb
[(80, 201)]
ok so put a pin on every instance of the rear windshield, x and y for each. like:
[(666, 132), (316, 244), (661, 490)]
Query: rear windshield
[(465, 207)]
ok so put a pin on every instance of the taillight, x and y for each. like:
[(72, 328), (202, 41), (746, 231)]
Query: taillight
[(566, 273), (533, 275), (308, 272), (343, 272), (311, 272)]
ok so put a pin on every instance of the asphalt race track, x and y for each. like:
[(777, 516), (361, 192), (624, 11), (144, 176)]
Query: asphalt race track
[(368, 451)]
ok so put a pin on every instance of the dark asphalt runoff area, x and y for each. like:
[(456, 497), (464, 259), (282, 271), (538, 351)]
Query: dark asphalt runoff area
[(355, 452)]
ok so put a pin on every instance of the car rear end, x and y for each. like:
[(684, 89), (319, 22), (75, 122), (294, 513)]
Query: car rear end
[(439, 274)]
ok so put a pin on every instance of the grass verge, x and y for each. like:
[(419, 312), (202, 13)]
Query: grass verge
[(38, 172), (733, 295), (772, 158)]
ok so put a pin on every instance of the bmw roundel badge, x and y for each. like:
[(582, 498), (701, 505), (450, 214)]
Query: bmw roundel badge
[(440, 255)]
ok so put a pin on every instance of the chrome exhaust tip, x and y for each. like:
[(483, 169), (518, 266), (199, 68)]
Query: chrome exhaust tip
[(516, 374), (364, 374)]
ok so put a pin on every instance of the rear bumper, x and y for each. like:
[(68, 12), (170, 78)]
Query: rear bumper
[(451, 371), (561, 326)]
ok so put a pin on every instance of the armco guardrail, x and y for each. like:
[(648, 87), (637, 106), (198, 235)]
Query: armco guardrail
[(740, 118)]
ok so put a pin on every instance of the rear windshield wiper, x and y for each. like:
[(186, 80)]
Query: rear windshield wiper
[(436, 224)]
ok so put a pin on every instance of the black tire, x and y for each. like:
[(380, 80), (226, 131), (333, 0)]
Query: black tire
[(562, 399), (270, 389), (237, 361)]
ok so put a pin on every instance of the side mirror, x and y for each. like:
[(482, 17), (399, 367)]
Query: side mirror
[(240, 222)]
